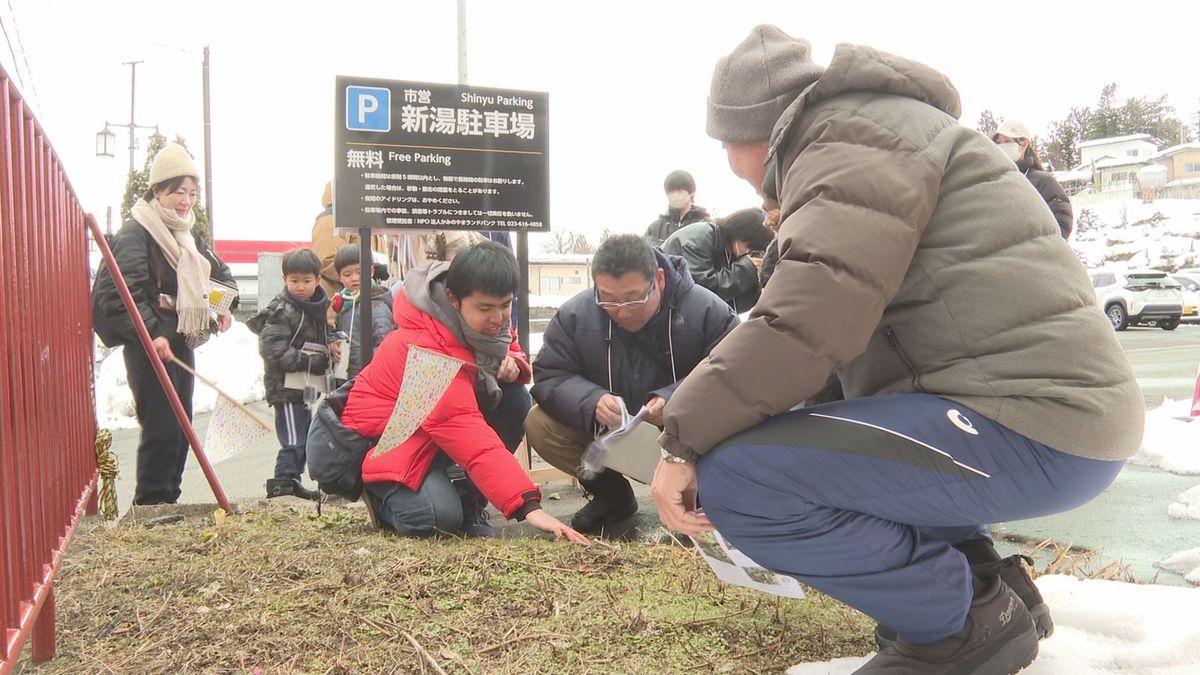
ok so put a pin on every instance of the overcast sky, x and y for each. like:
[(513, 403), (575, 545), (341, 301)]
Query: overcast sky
[(627, 82)]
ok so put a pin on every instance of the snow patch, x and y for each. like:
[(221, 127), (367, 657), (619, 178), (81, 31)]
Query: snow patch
[(1187, 505), (1101, 627), (1170, 443), (229, 359)]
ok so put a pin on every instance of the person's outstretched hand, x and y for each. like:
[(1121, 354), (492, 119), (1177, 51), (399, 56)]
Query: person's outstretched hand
[(674, 489), (224, 321), (548, 523)]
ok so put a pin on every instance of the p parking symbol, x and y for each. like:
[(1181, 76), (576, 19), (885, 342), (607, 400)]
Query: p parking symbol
[(368, 109)]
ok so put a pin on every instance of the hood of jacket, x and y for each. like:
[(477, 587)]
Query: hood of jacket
[(860, 68)]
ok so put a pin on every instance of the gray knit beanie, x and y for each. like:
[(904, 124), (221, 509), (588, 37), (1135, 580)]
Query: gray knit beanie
[(753, 85)]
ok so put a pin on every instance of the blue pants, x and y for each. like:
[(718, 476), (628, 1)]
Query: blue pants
[(437, 506), (292, 420), (864, 499)]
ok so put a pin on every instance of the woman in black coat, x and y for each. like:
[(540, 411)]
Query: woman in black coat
[(1013, 138), (168, 268)]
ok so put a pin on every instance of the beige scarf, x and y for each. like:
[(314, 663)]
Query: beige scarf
[(174, 236)]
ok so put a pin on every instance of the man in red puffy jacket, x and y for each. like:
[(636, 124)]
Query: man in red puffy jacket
[(461, 309)]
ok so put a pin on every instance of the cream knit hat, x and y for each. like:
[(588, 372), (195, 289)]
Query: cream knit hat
[(172, 161)]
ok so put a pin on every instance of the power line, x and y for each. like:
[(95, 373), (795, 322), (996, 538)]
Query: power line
[(24, 55), (8, 40), (129, 36)]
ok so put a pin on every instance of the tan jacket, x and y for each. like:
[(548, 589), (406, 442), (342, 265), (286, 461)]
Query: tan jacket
[(914, 258)]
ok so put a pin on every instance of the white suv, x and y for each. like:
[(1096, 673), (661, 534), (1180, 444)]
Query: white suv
[(1131, 297)]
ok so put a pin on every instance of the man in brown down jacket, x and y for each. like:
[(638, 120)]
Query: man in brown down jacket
[(981, 383)]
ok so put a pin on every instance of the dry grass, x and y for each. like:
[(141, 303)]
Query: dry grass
[(280, 590), (1078, 562)]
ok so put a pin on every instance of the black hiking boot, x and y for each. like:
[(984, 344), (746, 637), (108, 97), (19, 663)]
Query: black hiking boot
[(612, 502), (282, 487), (984, 562), (475, 518), (998, 639)]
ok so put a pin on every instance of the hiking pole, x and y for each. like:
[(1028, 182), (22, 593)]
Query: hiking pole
[(160, 371), (254, 416)]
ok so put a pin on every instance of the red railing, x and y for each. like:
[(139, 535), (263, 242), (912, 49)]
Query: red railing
[(47, 416)]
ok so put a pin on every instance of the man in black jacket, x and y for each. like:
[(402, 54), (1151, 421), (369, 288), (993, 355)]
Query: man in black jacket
[(627, 342), (680, 188), (725, 257)]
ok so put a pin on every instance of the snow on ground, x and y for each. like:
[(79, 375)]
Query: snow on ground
[(1187, 505), (1186, 563), (229, 359), (1170, 443), (1101, 627), (1120, 233)]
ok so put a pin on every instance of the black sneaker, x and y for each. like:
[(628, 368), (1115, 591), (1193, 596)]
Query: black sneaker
[(285, 487), (1015, 577), (998, 639)]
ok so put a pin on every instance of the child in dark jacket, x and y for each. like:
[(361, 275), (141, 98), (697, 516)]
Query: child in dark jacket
[(295, 317), (345, 304)]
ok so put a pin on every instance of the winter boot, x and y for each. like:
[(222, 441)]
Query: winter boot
[(280, 487), (612, 502), (998, 639), (474, 507), (984, 561)]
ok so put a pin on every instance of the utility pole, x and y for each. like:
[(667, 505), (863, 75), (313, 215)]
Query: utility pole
[(208, 199), (132, 99)]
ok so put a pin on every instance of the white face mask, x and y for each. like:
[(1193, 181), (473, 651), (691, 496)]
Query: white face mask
[(677, 199), (1011, 149)]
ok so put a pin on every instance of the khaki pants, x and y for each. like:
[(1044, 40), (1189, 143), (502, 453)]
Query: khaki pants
[(561, 445)]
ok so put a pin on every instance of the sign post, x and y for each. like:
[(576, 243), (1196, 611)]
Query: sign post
[(426, 156)]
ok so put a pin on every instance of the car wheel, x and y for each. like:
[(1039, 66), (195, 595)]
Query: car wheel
[(1169, 324), (1117, 317)]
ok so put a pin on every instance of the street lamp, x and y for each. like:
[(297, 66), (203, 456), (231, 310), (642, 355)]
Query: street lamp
[(106, 142)]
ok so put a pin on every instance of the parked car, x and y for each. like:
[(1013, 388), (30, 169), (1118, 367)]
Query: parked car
[(1132, 297), (1191, 295)]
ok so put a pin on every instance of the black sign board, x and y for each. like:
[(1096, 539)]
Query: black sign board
[(418, 155)]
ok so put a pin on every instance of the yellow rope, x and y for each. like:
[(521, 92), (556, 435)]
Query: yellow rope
[(107, 464)]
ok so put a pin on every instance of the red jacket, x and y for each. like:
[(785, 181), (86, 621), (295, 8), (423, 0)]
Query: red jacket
[(456, 426)]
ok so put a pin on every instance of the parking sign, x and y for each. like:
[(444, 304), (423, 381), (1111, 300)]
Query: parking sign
[(368, 109)]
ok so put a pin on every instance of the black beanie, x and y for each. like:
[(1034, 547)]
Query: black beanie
[(680, 180), (746, 225)]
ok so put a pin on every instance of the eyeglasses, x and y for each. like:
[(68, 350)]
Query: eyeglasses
[(629, 303)]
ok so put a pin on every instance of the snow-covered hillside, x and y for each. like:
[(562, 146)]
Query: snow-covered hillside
[(1127, 233)]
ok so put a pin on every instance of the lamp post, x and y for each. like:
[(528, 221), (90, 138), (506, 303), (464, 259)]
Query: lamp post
[(106, 139)]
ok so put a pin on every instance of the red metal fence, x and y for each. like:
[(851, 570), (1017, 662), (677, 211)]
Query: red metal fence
[(47, 417)]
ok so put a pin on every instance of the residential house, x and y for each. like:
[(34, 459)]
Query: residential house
[(1114, 162), (1182, 163), (560, 275)]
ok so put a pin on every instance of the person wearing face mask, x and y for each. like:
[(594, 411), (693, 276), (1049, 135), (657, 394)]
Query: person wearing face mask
[(1013, 138), (680, 188)]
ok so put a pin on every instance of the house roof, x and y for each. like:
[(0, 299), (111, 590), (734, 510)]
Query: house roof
[(1176, 149), (560, 258), (1116, 139), (1111, 162)]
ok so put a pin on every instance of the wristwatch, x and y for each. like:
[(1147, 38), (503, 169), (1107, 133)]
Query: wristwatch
[(672, 458)]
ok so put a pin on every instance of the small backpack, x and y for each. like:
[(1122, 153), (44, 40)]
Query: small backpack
[(336, 453)]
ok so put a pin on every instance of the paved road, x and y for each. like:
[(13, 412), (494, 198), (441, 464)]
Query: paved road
[(1128, 522)]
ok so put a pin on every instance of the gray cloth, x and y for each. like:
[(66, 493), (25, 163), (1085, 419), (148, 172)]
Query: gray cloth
[(753, 85), (425, 288)]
